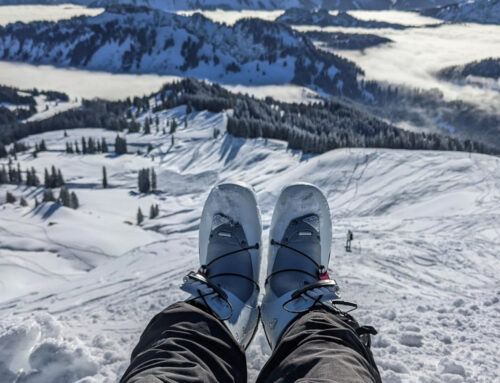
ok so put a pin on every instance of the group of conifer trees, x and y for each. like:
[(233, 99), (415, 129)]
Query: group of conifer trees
[(14, 175), (154, 211), (146, 180), (120, 145), (16, 148), (88, 146), (52, 179)]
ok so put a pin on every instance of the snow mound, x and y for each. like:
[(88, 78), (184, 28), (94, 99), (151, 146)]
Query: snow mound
[(39, 352)]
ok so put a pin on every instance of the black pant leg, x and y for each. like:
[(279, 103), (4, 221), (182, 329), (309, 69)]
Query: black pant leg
[(320, 346), (184, 343)]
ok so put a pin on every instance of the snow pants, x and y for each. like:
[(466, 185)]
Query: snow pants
[(185, 343)]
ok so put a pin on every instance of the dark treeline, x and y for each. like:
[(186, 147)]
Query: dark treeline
[(94, 114), (24, 106), (17, 96), (312, 128), (11, 96), (88, 146)]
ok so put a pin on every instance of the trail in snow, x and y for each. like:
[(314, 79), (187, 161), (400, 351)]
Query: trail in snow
[(80, 286)]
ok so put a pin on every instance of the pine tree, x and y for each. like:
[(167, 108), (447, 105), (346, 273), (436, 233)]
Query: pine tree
[(152, 212), (84, 146), (120, 145), (104, 178), (23, 202), (173, 126), (74, 201), (46, 179), (53, 177), (28, 177), (104, 145), (48, 196), (64, 197), (37, 203), (42, 147), (77, 148), (143, 181), (147, 126), (4, 177), (153, 179), (60, 179), (65, 133), (19, 178), (9, 198), (91, 145), (140, 216)]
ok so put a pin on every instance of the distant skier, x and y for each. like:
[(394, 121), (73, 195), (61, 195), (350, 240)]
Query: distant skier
[(350, 237), (204, 338)]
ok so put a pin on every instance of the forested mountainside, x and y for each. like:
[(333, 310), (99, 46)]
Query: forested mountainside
[(323, 18), (341, 40), (312, 128), (478, 11), (489, 68), (142, 40)]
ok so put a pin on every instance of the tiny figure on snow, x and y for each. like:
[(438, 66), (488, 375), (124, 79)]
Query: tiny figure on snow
[(350, 237)]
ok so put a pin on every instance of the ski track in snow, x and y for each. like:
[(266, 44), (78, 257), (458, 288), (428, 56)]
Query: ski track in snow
[(78, 287)]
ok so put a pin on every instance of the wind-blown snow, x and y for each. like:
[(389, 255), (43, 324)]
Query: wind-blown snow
[(424, 266)]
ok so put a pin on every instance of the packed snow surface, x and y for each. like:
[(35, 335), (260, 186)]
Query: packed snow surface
[(79, 286)]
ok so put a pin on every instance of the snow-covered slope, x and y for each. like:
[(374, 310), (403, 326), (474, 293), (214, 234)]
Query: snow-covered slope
[(477, 11), (142, 40), (78, 286)]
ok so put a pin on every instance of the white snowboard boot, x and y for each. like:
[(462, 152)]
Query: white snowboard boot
[(299, 252), (227, 282)]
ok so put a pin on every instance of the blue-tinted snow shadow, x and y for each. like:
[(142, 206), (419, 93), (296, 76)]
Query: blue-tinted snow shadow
[(230, 148), (47, 212)]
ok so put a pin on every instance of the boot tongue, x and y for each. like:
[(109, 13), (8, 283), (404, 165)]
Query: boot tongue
[(228, 238), (305, 256)]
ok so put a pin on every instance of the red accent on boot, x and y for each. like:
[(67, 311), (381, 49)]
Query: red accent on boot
[(324, 276)]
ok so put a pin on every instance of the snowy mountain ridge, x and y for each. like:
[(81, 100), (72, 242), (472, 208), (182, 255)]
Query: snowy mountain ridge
[(141, 40), (323, 18), (423, 266), (176, 5), (478, 11)]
